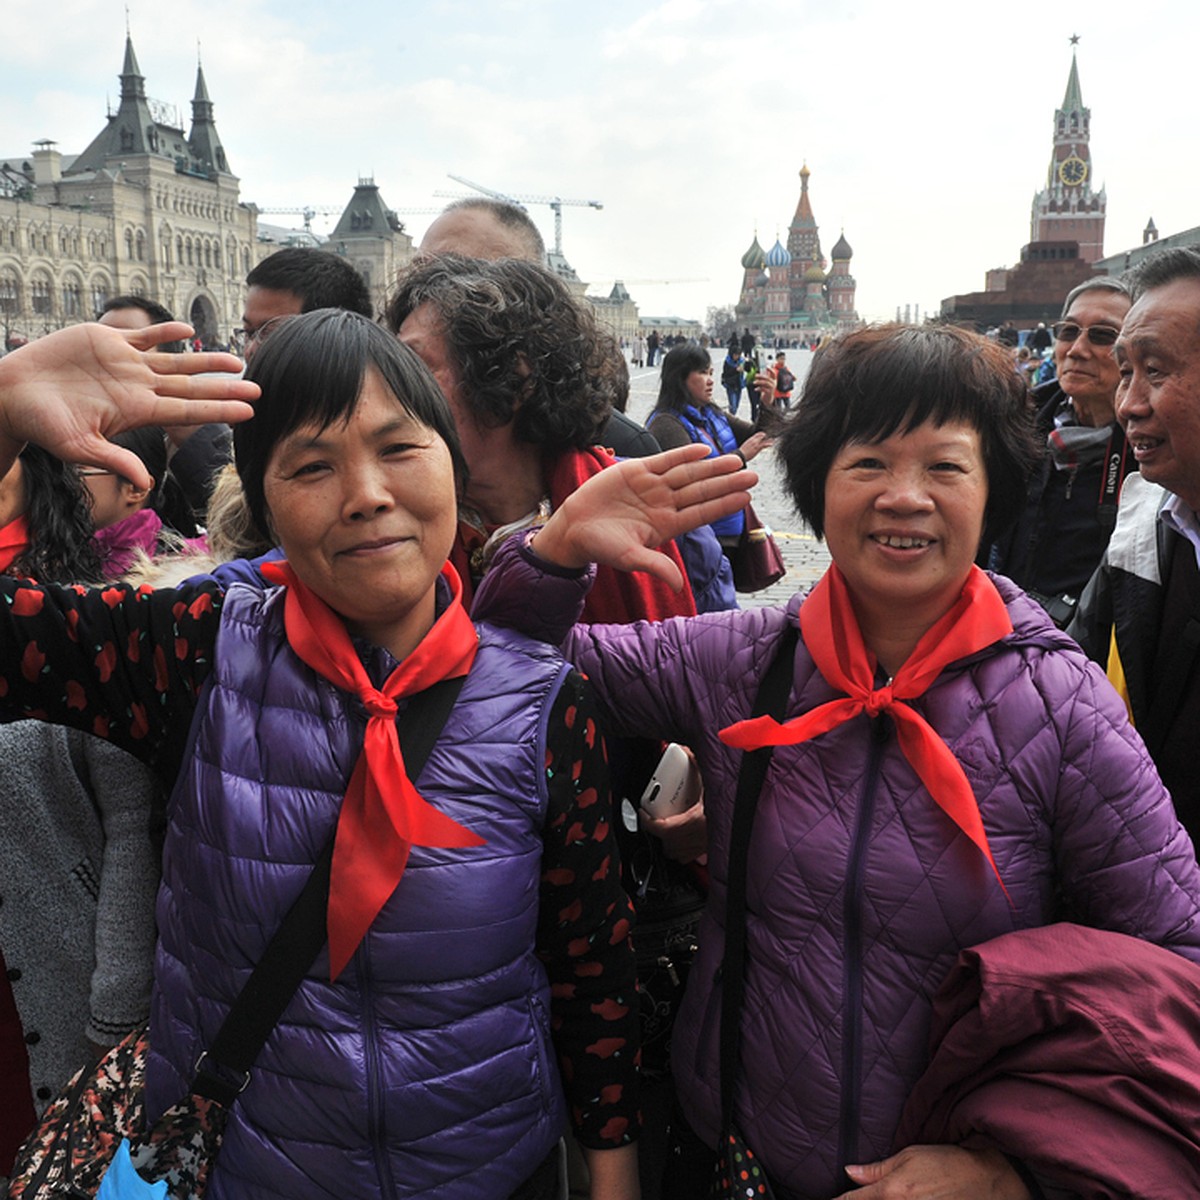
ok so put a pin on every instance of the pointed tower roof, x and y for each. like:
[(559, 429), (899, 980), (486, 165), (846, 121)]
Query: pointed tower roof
[(841, 251), (1073, 99), (366, 215), (203, 141), (619, 291), (133, 129), (133, 82), (754, 257), (804, 214)]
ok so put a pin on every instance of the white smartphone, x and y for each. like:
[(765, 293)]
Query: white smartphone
[(675, 785)]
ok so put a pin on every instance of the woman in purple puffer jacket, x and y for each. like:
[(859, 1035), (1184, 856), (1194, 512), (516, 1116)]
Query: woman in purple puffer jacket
[(477, 927), (951, 768)]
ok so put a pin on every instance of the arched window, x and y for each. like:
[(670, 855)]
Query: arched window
[(129, 243), (141, 246), (99, 294), (217, 255), (188, 247), (42, 296), (72, 298), (208, 254), (10, 294)]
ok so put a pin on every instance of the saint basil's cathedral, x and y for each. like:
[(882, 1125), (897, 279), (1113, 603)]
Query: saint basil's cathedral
[(787, 295)]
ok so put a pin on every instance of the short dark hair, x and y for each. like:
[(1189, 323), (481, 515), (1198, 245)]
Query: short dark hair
[(320, 278), (311, 371), (871, 383), (1163, 267), (512, 217), (155, 311), (1102, 283), (676, 367), (527, 352)]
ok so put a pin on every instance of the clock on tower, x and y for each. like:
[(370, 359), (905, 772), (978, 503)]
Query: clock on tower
[(1072, 170)]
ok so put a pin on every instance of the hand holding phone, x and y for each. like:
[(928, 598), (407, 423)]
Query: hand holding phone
[(675, 785)]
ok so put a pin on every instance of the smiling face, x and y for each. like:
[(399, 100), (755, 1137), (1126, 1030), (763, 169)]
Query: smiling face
[(1088, 373), (365, 513), (903, 519), (699, 385), (1158, 397)]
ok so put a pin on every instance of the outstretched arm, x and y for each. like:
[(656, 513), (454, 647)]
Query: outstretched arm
[(71, 390), (619, 515)]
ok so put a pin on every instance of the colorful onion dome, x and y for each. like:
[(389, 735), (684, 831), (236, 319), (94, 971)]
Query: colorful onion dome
[(754, 257), (778, 255)]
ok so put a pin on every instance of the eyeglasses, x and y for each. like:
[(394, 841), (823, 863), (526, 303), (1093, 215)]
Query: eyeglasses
[(256, 337), (1098, 335)]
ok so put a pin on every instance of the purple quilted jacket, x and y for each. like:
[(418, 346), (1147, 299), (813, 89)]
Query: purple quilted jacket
[(426, 1069), (861, 891)]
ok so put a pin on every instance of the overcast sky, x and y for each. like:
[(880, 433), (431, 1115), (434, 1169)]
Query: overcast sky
[(927, 126)]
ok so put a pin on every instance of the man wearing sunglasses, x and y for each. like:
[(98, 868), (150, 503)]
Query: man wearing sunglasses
[(1071, 506), (1140, 614)]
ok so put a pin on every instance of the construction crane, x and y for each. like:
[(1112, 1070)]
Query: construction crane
[(556, 203), (648, 282), (307, 213)]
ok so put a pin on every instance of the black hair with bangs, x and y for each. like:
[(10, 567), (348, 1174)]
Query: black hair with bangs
[(311, 371), (885, 379)]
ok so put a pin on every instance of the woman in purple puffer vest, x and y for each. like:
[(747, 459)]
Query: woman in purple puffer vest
[(418, 1056), (951, 768)]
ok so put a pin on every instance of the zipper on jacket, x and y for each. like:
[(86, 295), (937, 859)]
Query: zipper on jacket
[(376, 1124), (851, 1099)]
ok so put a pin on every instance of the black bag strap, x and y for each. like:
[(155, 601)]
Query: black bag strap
[(771, 700), (223, 1071)]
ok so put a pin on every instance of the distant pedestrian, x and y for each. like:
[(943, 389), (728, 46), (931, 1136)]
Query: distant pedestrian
[(785, 381), (747, 343), (733, 378), (638, 357), (652, 348), (1040, 340)]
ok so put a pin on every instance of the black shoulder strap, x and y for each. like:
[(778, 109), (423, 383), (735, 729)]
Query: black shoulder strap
[(224, 1070), (771, 701)]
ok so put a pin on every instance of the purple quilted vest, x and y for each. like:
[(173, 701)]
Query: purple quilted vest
[(427, 1069)]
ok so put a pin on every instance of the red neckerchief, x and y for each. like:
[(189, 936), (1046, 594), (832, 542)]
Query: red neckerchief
[(383, 816), (14, 541), (833, 638)]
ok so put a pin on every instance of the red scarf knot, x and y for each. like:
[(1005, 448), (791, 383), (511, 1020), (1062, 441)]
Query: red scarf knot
[(832, 637), (379, 705), (383, 815)]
